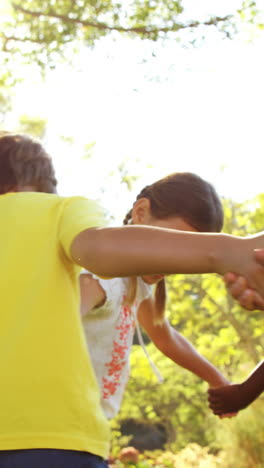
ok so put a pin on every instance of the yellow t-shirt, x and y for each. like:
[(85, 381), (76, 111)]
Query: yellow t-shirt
[(49, 396)]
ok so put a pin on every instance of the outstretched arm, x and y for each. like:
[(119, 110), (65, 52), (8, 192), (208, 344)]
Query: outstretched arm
[(177, 348), (232, 398), (139, 250)]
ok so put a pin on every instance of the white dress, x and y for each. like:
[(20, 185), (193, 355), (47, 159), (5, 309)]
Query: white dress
[(109, 332)]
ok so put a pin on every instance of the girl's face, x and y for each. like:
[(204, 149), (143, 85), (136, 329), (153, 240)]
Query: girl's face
[(174, 222), (141, 214)]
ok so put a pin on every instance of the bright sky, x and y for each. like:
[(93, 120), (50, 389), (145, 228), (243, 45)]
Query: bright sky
[(185, 109)]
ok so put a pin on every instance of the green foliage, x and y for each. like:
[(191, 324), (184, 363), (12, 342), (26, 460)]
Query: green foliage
[(200, 309), (242, 437), (7, 82), (88, 150), (252, 17), (4, 105), (35, 126), (192, 456), (47, 30), (126, 177), (179, 403)]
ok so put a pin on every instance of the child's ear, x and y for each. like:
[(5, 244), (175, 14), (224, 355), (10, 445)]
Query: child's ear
[(141, 211)]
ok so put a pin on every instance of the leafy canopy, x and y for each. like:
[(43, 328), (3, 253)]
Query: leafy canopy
[(47, 29)]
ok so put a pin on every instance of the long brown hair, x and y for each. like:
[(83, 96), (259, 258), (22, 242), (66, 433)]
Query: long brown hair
[(24, 161), (189, 197)]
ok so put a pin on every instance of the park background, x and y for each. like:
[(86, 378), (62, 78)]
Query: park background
[(123, 93)]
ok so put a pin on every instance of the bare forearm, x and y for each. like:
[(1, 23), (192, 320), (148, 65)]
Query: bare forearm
[(181, 351), (139, 250), (254, 385), (133, 250)]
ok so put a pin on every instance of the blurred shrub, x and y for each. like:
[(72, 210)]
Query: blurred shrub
[(242, 437)]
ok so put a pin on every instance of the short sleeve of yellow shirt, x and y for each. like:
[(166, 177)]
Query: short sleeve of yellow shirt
[(79, 214)]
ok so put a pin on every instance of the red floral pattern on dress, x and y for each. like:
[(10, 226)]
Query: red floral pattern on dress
[(119, 357)]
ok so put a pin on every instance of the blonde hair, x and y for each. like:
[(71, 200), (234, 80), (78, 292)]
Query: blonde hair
[(24, 161)]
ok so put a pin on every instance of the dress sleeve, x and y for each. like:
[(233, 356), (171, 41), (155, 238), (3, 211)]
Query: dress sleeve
[(144, 291), (114, 289)]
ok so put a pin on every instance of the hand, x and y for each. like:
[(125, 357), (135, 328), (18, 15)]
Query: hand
[(227, 400), (259, 256), (239, 289), (222, 382), (243, 257), (227, 415)]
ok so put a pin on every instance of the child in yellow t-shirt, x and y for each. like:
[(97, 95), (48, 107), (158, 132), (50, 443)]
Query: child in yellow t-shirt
[(49, 398)]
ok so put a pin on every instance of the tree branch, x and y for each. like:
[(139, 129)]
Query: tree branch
[(238, 327), (21, 39), (136, 29)]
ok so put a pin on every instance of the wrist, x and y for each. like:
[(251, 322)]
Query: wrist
[(247, 394), (226, 256), (218, 381), (214, 377), (220, 252)]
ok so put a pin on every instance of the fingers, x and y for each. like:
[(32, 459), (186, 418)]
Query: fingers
[(259, 256), (215, 400), (220, 402), (230, 278), (258, 279), (249, 298), (216, 394), (238, 287), (220, 408), (227, 415)]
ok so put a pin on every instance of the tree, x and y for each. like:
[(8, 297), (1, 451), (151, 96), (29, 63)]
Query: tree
[(5, 98), (7, 82), (46, 29)]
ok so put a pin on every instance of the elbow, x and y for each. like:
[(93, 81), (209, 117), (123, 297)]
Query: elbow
[(163, 346)]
